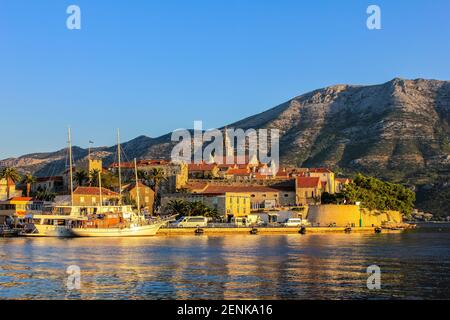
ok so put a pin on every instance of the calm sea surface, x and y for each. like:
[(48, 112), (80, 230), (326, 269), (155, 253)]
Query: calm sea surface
[(414, 265)]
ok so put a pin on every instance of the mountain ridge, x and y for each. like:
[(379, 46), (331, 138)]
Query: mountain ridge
[(398, 130)]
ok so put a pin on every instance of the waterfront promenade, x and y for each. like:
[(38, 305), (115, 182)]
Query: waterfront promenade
[(266, 230)]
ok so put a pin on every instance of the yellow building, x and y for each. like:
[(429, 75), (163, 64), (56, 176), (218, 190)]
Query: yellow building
[(308, 190), (146, 195), (18, 207), (91, 196), (340, 183), (326, 176), (91, 164), (237, 205), (8, 187), (227, 204)]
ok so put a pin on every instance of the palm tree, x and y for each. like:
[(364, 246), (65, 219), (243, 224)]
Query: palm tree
[(198, 208), (93, 177), (157, 176), (178, 207), (143, 176), (28, 179), (81, 177), (9, 174)]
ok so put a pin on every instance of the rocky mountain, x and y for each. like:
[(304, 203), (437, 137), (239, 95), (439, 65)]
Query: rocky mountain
[(398, 130)]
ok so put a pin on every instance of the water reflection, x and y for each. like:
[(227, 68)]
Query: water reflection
[(333, 266)]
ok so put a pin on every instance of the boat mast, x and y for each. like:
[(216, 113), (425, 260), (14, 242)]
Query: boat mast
[(71, 169), (120, 169), (138, 200), (100, 189)]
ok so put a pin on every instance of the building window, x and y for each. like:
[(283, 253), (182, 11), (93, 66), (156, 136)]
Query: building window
[(286, 195), (82, 199)]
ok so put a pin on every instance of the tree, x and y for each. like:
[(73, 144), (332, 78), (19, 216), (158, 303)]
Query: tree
[(93, 177), (157, 176), (110, 180), (81, 177), (28, 179), (9, 174), (198, 208), (186, 208), (143, 176), (375, 194), (44, 195), (332, 198), (178, 207)]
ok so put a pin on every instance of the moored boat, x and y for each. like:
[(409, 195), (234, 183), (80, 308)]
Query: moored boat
[(7, 232), (102, 220)]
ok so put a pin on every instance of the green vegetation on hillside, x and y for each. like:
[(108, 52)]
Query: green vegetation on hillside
[(375, 194)]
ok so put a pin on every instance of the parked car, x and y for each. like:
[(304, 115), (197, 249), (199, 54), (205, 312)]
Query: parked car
[(192, 222), (294, 222), (239, 221)]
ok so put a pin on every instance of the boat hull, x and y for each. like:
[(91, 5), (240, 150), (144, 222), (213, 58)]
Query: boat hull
[(137, 231), (50, 231)]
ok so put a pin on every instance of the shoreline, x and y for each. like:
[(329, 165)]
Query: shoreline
[(270, 231)]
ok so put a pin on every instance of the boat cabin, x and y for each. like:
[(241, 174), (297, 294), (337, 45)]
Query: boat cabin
[(17, 209)]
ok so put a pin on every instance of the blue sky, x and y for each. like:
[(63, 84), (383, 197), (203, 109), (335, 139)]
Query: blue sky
[(150, 67)]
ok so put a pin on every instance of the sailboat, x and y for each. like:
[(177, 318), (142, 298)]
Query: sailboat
[(108, 220), (55, 221)]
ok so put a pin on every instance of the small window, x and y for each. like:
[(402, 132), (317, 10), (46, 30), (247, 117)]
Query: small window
[(286, 195)]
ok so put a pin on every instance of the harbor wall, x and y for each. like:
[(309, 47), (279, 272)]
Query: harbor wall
[(349, 215)]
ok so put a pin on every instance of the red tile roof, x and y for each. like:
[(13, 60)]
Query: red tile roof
[(153, 162), (307, 182), (220, 189), (227, 166), (238, 172), (131, 186), (23, 199), (94, 191), (140, 163), (201, 167), (196, 186), (343, 180)]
